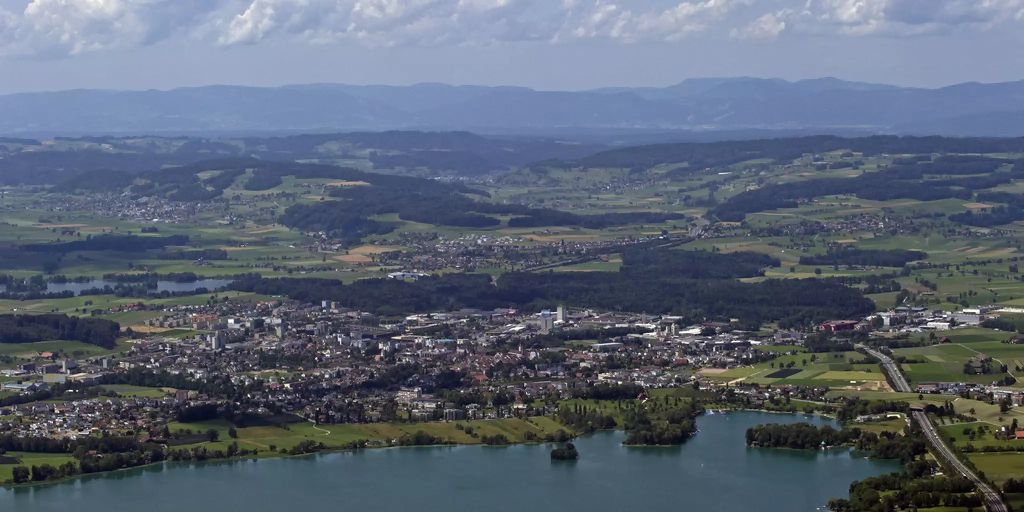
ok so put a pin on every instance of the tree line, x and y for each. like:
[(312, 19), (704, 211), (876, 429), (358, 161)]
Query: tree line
[(804, 436), (58, 326), (658, 284), (864, 257), (121, 243)]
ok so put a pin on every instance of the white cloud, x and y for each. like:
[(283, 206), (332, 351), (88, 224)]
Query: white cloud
[(616, 21), (396, 22), (376, 22), (903, 18), (263, 17), (72, 27), (882, 18), (767, 26)]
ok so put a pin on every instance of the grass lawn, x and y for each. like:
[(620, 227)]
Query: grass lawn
[(999, 466), (890, 425), (1015, 500), (30, 459), (987, 412), (71, 348), (127, 390), (81, 305), (613, 264), (337, 436), (911, 398), (780, 348), (955, 431)]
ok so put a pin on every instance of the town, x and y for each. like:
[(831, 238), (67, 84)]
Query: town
[(327, 364)]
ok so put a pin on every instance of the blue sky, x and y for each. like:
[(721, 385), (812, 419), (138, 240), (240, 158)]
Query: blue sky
[(547, 44)]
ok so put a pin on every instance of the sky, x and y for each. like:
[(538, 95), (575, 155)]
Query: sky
[(545, 44)]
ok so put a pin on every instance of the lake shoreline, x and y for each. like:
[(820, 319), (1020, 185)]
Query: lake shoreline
[(715, 470), (269, 455)]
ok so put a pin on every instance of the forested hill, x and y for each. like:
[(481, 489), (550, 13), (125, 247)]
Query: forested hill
[(347, 216), (115, 161), (950, 176), (695, 284), (714, 154), (207, 179), (700, 103), (36, 162)]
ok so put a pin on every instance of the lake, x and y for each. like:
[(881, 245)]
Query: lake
[(714, 471), (161, 285)]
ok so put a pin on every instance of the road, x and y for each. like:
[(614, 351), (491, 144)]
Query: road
[(992, 499)]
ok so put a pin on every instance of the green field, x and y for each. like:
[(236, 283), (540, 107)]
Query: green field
[(75, 349), (30, 459), (999, 466), (337, 436), (127, 390), (945, 362), (911, 398), (828, 369)]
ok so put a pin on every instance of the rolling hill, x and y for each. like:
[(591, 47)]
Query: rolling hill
[(701, 105)]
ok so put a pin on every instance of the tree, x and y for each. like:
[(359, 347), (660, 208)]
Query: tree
[(20, 474), (1005, 404)]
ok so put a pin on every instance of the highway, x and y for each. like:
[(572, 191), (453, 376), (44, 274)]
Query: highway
[(992, 499)]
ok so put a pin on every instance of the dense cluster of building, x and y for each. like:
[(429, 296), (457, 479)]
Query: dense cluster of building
[(329, 364), (144, 209)]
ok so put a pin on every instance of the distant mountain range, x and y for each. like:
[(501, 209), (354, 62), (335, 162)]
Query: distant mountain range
[(698, 106)]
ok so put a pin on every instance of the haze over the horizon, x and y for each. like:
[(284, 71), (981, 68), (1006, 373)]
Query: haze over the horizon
[(544, 44)]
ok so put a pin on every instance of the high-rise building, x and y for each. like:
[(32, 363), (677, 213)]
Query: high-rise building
[(546, 321), (218, 339)]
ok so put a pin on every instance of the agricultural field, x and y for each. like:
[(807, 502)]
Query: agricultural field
[(945, 362), (246, 224), (999, 466), (834, 370), (580, 220)]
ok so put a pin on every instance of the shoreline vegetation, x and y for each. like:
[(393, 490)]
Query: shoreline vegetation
[(420, 439), (204, 432), (664, 418), (920, 485), (561, 440)]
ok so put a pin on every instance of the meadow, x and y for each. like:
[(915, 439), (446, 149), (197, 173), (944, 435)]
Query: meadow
[(834, 370)]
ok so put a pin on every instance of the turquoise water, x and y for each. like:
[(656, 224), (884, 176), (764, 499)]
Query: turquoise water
[(712, 472)]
